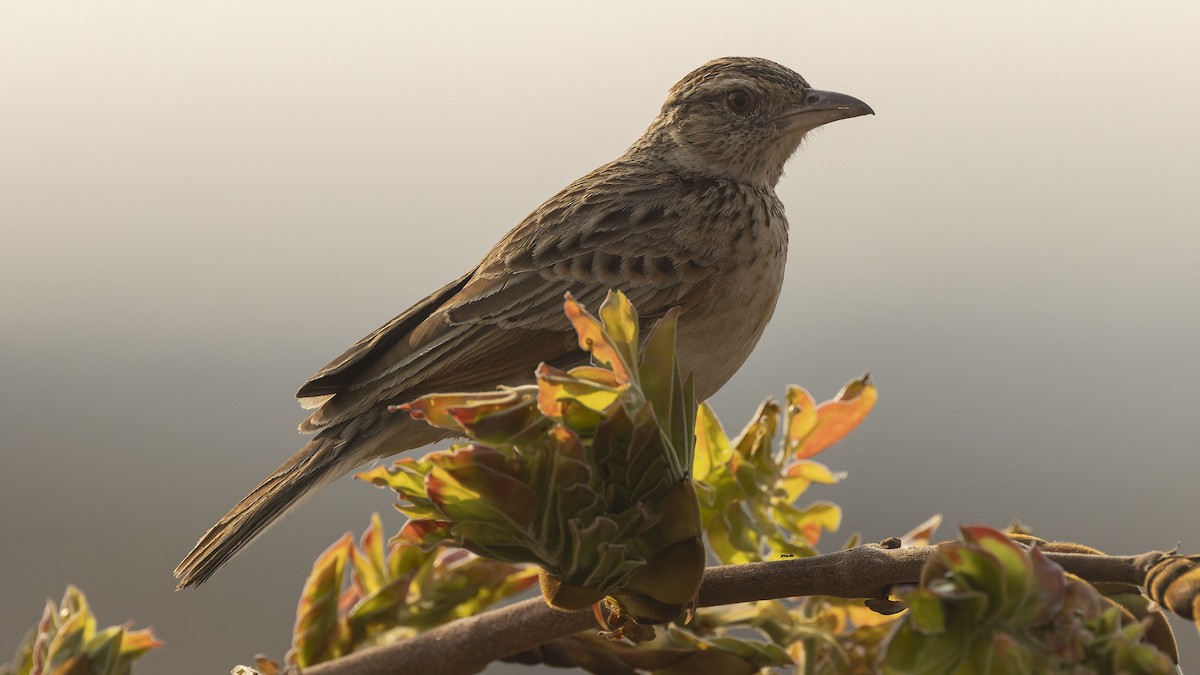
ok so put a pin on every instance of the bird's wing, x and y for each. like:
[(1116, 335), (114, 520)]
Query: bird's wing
[(507, 316), (342, 370)]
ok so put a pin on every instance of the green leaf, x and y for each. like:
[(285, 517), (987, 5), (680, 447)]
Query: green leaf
[(927, 615), (320, 634), (1014, 563), (712, 445)]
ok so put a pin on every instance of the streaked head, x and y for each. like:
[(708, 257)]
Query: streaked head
[(742, 118)]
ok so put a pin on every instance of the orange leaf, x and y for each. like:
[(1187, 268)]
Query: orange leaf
[(592, 338), (835, 418)]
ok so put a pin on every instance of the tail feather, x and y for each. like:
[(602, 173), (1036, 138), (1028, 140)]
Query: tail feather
[(320, 462)]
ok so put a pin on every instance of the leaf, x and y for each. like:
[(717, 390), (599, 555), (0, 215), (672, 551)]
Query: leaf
[(657, 372), (479, 484), (594, 339), (712, 445), (104, 651), (368, 563), (911, 652), (66, 642), (1013, 560), (835, 419), (927, 614), (494, 417), (979, 571), (801, 415), (557, 387), (621, 325), (136, 643), (811, 520), (922, 534), (319, 634), (799, 475)]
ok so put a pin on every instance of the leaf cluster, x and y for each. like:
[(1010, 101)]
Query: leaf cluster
[(361, 595), (66, 641), (584, 474), (988, 604)]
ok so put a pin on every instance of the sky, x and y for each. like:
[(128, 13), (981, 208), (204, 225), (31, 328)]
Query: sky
[(203, 203)]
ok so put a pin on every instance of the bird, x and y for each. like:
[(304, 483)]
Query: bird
[(687, 217)]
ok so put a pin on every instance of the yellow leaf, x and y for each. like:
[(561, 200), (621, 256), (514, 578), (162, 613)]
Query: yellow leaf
[(799, 475), (712, 445), (814, 472), (819, 516), (592, 338), (558, 386), (621, 324), (802, 415)]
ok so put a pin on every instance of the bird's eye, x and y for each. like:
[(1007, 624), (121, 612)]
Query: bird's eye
[(739, 101)]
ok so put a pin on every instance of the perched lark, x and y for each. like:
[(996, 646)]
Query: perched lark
[(687, 217)]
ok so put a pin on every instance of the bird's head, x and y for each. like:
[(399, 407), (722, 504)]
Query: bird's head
[(742, 118)]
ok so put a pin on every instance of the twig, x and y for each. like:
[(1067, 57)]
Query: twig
[(468, 645)]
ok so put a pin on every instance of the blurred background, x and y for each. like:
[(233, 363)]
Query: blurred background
[(203, 203)]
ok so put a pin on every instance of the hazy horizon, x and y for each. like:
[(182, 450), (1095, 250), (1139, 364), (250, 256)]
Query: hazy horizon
[(204, 203)]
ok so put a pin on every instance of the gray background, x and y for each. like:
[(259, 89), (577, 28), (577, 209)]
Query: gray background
[(202, 203)]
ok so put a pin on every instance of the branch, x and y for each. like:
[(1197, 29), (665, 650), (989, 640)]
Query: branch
[(468, 645)]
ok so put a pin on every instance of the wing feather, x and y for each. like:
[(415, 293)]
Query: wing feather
[(495, 324), (341, 371)]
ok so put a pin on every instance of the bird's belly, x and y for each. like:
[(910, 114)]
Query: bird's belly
[(719, 337)]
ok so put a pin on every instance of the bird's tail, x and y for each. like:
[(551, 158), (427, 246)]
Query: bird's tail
[(321, 461)]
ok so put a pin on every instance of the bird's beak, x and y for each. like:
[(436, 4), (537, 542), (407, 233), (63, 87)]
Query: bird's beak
[(822, 107)]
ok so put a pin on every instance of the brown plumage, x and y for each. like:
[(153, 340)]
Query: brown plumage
[(687, 217)]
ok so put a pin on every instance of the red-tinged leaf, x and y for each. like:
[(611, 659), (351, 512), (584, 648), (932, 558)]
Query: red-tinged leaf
[(406, 476), (368, 562), (922, 534), (135, 643), (46, 629), (500, 422), (557, 387), (477, 483), (1051, 587), (266, 666), (424, 532), (818, 517), (600, 376), (979, 571), (837, 418), (592, 338), (69, 640), (319, 634), (373, 544), (1014, 561), (454, 410)]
